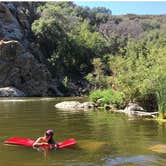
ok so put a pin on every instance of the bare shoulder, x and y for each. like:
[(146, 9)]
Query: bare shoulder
[(39, 139)]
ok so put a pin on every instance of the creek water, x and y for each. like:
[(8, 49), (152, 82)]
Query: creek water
[(103, 138)]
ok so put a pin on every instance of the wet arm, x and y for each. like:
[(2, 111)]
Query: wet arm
[(39, 142)]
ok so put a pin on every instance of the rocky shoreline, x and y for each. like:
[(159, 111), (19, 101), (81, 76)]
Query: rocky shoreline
[(132, 110)]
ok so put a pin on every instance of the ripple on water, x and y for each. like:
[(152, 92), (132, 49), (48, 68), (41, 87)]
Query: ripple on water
[(92, 145), (27, 99), (103, 138), (139, 160)]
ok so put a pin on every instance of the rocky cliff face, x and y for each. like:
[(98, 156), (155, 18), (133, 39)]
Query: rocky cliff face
[(19, 68)]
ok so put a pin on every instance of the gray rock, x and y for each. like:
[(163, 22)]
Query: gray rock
[(133, 107), (11, 92), (86, 105), (99, 102), (133, 110), (68, 105), (75, 105), (13, 32)]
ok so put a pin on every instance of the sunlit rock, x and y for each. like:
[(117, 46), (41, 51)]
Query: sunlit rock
[(134, 110), (133, 107), (11, 92), (75, 105), (159, 148)]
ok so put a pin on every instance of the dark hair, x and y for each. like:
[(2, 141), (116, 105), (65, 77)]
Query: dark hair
[(50, 133), (51, 141)]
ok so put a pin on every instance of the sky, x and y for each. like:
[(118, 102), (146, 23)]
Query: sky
[(126, 7)]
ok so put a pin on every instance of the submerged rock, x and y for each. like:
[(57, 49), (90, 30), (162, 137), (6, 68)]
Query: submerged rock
[(159, 148), (75, 105)]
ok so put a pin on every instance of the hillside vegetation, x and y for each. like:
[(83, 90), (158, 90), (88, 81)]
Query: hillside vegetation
[(90, 50), (128, 51)]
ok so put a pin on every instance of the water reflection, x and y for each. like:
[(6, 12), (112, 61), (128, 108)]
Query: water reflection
[(103, 138), (140, 160)]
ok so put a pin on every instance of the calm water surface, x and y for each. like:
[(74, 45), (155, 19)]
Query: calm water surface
[(103, 138)]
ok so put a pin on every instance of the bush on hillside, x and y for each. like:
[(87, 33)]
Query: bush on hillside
[(108, 96)]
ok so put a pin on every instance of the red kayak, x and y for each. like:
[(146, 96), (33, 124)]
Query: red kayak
[(28, 142)]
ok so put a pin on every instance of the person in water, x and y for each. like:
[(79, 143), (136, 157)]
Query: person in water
[(46, 140)]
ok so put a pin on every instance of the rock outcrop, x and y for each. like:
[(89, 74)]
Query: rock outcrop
[(19, 68), (23, 65)]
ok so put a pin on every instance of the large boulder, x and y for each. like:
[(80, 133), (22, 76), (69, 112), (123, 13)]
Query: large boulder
[(11, 92), (86, 105), (133, 110), (68, 105), (75, 105), (133, 107)]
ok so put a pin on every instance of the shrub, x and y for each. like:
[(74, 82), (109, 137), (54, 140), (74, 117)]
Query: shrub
[(140, 72), (161, 95), (109, 96)]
